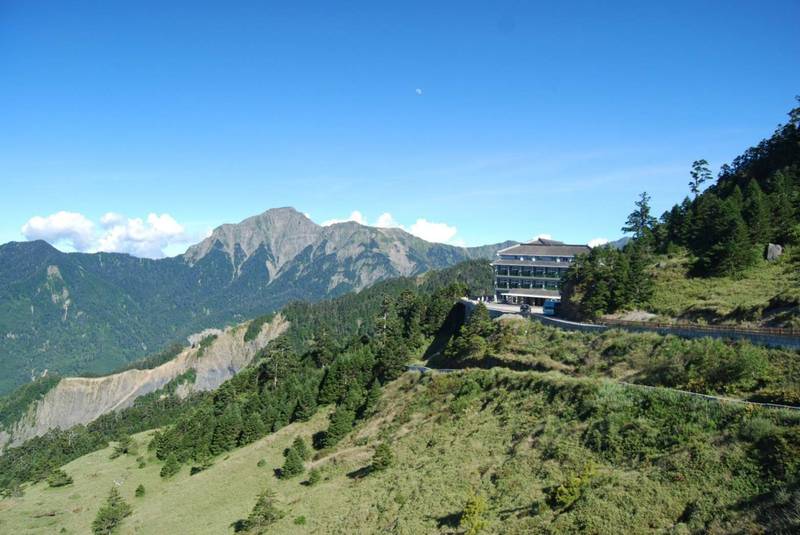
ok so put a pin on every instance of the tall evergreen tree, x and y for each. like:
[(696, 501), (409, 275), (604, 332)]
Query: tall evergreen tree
[(265, 513), (227, 430), (292, 465), (111, 514), (392, 350), (640, 222), (171, 466), (700, 173), (253, 428), (756, 213)]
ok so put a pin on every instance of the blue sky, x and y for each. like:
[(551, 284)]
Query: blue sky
[(533, 118)]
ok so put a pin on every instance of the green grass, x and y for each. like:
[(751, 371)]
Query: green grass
[(766, 294), (550, 454)]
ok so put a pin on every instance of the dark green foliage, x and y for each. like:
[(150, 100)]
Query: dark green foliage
[(607, 280), (756, 214), (301, 447), (700, 173), (300, 521), (292, 465), (111, 514), (171, 466), (341, 423), (139, 492), (16, 404), (205, 343), (254, 327), (59, 478), (314, 477), (252, 429), (282, 385), (265, 513), (475, 337), (640, 222), (383, 457), (125, 446)]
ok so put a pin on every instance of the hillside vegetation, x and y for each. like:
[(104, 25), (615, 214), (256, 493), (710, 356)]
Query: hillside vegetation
[(503, 452)]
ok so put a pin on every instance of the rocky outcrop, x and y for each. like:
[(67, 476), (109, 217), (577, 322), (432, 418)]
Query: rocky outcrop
[(79, 400), (773, 252)]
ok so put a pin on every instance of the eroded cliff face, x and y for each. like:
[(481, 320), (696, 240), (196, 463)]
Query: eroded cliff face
[(79, 400)]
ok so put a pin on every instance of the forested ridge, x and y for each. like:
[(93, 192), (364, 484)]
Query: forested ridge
[(721, 230)]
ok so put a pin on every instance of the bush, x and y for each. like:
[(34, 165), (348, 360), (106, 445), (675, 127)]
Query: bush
[(139, 491), (314, 477), (473, 519), (171, 466), (300, 521), (383, 457), (59, 478), (111, 514)]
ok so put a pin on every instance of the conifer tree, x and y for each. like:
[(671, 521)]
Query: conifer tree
[(473, 519), (314, 477), (700, 174), (292, 465), (299, 445), (341, 423), (265, 513), (253, 428), (392, 350), (306, 403), (756, 214), (383, 457), (640, 222), (227, 430), (171, 466), (111, 514), (139, 491)]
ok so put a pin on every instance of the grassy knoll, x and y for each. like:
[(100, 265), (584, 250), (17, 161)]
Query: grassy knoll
[(547, 453), (765, 294), (707, 366)]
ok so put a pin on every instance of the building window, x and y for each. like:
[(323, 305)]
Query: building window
[(514, 271), (526, 272), (502, 270)]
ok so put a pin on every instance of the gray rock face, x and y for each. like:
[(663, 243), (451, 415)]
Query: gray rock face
[(80, 400), (774, 251)]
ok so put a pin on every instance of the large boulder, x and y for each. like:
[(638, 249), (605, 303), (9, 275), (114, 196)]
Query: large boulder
[(773, 252)]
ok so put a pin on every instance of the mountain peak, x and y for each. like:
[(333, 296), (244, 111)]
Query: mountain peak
[(283, 232)]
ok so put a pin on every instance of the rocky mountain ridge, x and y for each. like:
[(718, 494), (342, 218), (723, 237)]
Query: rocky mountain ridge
[(77, 313)]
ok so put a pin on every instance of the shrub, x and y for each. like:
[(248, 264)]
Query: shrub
[(300, 521), (111, 514), (293, 465), (139, 491), (383, 457), (171, 466), (314, 477), (473, 519), (265, 513), (59, 478)]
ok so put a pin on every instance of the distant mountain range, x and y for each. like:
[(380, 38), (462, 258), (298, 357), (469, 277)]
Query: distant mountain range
[(77, 313)]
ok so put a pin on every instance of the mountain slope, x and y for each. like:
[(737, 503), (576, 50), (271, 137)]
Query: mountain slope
[(202, 367), (547, 454), (77, 313)]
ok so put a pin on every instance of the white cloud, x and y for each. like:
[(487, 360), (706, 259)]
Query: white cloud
[(433, 232), (386, 220), (147, 238), (68, 228), (543, 236), (355, 215), (596, 242)]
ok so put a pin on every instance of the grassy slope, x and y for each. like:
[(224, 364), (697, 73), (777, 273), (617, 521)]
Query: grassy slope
[(768, 293), (688, 465)]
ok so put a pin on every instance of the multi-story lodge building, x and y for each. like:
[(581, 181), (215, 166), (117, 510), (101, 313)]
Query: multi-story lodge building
[(531, 272)]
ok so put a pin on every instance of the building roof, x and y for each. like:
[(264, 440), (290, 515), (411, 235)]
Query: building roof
[(528, 263), (543, 247)]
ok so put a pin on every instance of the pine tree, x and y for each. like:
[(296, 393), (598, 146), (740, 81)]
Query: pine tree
[(111, 514), (392, 354), (293, 465), (306, 404), (700, 174), (373, 396), (314, 477), (265, 513), (299, 445), (227, 430), (252, 429), (171, 466), (756, 214), (341, 423), (383, 457), (640, 222), (59, 478), (640, 282)]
